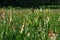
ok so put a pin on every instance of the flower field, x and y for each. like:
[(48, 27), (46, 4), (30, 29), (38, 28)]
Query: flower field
[(29, 24)]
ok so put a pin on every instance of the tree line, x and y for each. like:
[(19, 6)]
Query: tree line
[(28, 3)]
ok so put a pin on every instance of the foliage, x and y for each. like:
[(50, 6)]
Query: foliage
[(28, 3), (26, 24)]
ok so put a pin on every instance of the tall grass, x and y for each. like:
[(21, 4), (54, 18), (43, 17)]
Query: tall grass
[(26, 24)]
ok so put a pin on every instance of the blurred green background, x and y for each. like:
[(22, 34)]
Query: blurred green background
[(29, 24)]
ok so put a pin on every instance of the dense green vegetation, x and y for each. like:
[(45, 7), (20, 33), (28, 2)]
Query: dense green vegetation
[(28, 24)]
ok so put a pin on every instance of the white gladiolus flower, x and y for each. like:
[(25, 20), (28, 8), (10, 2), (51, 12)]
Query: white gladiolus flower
[(41, 9), (22, 29), (47, 20), (28, 34)]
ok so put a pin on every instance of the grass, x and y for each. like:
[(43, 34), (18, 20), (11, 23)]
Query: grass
[(26, 24)]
